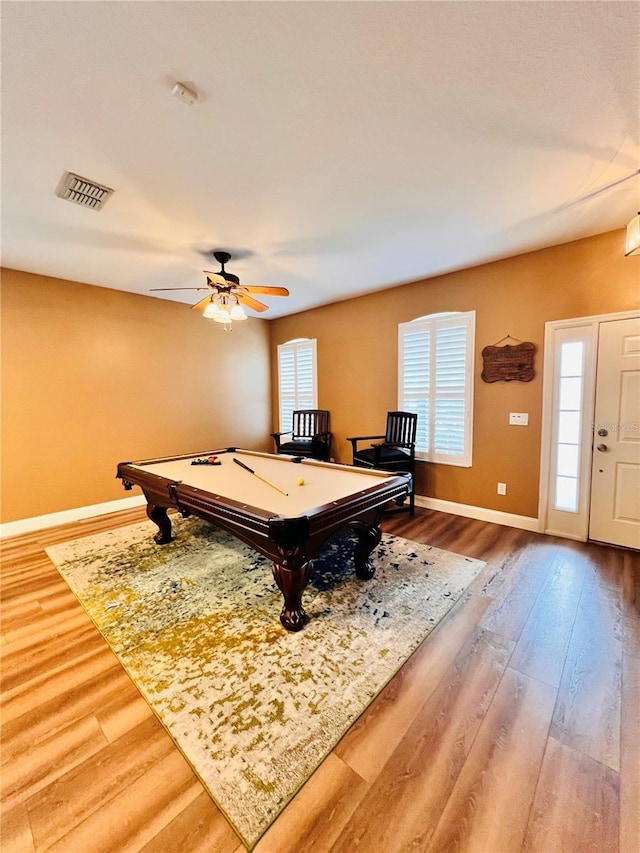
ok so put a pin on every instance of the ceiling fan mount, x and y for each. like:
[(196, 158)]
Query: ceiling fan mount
[(225, 285), (223, 258)]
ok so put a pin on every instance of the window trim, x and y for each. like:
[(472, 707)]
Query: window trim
[(433, 322)]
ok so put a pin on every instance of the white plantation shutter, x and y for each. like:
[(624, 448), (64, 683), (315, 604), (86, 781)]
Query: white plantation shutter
[(287, 385), (436, 382), (415, 371), (297, 383)]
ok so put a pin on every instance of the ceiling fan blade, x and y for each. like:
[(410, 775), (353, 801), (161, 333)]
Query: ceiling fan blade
[(177, 288), (271, 291), (251, 303), (200, 306), (215, 277)]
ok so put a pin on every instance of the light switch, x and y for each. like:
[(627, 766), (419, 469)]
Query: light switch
[(519, 418)]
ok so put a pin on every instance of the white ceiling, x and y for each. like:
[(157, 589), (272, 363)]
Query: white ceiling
[(337, 147)]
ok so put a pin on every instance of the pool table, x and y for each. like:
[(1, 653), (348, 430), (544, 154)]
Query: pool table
[(287, 522)]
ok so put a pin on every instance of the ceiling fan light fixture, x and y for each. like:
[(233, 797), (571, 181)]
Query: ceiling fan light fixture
[(632, 242), (212, 311), (237, 312), (220, 310), (224, 309)]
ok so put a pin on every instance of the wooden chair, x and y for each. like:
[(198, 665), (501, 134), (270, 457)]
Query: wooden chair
[(395, 452), (310, 435)]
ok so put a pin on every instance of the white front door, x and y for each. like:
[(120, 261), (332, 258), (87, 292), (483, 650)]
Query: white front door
[(615, 475)]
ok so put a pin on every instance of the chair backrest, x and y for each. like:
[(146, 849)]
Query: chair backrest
[(310, 422), (401, 429)]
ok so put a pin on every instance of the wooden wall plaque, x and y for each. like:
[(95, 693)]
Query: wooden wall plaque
[(508, 363)]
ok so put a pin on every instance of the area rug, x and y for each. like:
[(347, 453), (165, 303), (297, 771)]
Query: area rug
[(253, 708)]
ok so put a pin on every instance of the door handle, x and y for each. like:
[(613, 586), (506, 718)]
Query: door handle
[(602, 448)]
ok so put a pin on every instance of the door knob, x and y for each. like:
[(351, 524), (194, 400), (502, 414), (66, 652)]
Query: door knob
[(602, 448), (602, 432)]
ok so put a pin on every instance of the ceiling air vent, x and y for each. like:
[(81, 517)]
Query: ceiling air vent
[(83, 191)]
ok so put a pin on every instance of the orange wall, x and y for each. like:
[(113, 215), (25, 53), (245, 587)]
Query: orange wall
[(358, 356), (92, 377)]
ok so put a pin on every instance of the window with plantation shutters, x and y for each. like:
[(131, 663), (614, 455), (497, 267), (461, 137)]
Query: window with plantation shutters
[(435, 380), (297, 383)]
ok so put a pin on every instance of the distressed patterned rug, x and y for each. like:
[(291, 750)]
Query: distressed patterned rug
[(255, 709)]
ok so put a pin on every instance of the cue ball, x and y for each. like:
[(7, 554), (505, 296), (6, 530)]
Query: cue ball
[(301, 481)]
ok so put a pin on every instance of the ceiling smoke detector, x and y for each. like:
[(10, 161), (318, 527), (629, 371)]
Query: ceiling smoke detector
[(185, 94), (83, 191)]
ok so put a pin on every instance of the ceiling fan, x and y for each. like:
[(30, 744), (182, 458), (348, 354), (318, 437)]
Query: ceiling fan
[(227, 295)]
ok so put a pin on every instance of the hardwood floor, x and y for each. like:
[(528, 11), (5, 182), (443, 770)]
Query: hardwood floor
[(514, 727)]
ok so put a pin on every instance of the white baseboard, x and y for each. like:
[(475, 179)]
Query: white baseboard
[(561, 535), (28, 525), (509, 519), (53, 519)]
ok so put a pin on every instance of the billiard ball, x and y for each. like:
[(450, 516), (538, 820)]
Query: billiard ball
[(301, 481)]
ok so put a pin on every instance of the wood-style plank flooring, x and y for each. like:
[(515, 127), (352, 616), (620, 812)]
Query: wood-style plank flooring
[(514, 727)]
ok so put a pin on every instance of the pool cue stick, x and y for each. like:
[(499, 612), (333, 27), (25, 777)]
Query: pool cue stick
[(264, 479)]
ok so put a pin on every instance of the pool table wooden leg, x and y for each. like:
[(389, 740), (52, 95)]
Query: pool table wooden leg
[(158, 514), (368, 538), (292, 577)]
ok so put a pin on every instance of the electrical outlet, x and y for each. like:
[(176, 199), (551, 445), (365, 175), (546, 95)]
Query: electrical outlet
[(502, 488), (519, 418)]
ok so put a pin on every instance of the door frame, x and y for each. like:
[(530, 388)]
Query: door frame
[(570, 525)]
